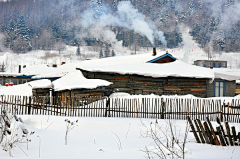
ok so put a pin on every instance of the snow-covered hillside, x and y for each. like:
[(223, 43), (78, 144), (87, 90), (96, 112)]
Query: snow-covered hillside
[(188, 51)]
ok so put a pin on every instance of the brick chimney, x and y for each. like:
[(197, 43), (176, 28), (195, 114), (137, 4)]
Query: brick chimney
[(19, 68), (154, 52)]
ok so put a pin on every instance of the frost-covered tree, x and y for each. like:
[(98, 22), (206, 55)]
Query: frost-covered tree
[(2, 67), (60, 46), (113, 53), (107, 51), (101, 54), (21, 39), (78, 50)]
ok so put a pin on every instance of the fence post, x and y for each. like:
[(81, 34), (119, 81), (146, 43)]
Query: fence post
[(163, 110), (107, 106), (221, 117), (29, 105)]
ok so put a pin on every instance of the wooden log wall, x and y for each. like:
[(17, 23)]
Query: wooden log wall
[(237, 88), (136, 84)]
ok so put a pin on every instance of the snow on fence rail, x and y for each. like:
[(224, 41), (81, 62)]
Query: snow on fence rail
[(149, 107)]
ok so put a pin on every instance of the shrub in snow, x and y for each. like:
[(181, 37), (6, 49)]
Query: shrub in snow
[(168, 141), (12, 132), (69, 126)]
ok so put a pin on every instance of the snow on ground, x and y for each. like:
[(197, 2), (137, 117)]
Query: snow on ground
[(104, 138)]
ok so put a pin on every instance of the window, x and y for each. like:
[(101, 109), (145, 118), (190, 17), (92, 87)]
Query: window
[(14, 81), (1, 81), (219, 87), (204, 64), (219, 65)]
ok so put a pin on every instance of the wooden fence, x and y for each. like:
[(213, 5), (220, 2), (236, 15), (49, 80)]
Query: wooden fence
[(160, 108)]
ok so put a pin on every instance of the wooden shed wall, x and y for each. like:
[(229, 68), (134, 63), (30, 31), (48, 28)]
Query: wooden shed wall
[(80, 93), (136, 84), (41, 92)]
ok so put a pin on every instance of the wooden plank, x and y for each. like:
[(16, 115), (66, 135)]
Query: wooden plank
[(212, 130), (237, 91), (234, 135), (203, 131), (221, 136), (212, 141), (238, 138), (172, 89), (193, 129), (197, 90), (122, 78), (228, 133), (199, 131), (26, 105)]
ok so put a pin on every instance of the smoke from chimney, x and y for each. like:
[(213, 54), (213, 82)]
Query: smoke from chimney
[(125, 16)]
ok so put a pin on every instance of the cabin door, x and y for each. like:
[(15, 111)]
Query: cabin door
[(219, 87)]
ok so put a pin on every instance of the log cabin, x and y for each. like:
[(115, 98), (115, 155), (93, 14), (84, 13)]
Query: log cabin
[(161, 75)]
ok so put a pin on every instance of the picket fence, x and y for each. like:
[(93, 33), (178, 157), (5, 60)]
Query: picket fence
[(157, 107)]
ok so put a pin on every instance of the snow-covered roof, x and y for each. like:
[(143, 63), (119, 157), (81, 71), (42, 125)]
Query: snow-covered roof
[(75, 80), (44, 83), (137, 64), (227, 74), (8, 74), (37, 69), (21, 90), (57, 72)]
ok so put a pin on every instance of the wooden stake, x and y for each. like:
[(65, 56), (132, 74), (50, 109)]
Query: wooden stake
[(199, 131), (234, 135), (209, 133), (221, 136), (229, 134), (203, 131), (193, 129)]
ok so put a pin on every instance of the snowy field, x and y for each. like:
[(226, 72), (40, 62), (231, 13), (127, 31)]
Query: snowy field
[(105, 138)]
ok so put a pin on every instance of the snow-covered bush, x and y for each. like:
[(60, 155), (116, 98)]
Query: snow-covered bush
[(12, 132)]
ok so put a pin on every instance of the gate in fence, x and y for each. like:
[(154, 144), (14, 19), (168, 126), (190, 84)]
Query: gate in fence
[(157, 107)]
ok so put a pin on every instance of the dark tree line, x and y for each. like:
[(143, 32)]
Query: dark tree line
[(40, 24)]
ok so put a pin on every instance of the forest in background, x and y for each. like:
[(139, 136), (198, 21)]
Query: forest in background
[(49, 24)]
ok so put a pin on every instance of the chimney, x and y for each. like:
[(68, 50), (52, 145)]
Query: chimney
[(154, 52), (19, 69)]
